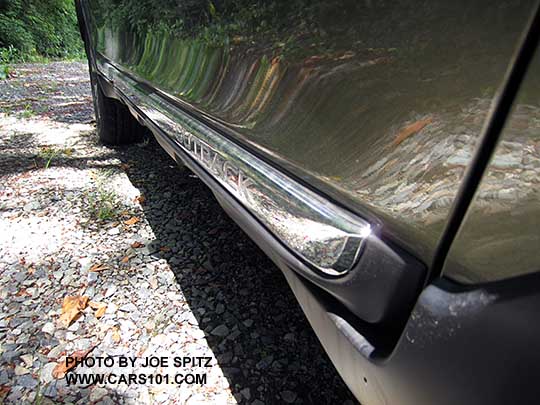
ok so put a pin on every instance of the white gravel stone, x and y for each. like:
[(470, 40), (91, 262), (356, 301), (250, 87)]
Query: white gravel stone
[(19, 370), (130, 307), (31, 206), (45, 376), (49, 328), (113, 231), (56, 351), (28, 360), (110, 291), (111, 308), (92, 277)]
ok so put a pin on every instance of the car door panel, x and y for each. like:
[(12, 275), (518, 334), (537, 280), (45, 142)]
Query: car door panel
[(377, 104)]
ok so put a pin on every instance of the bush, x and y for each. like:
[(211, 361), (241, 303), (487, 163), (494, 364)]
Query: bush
[(35, 29)]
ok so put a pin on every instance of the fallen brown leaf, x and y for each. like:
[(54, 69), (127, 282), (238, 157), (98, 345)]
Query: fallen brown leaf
[(165, 249), (72, 307), (61, 368), (101, 311), (411, 130), (125, 259), (44, 350), (99, 307), (4, 391), (116, 336), (132, 221), (99, 267), (23, 293), (136, 245), (140, 199)]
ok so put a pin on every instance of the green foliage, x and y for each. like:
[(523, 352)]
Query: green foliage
[(35, 29), (103, 202), (28, 112), (102, 205), (9, 55), (48, 153), (207, 20), (288, 27), (4, 72)]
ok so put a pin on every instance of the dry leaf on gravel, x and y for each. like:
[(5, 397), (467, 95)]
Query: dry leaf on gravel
[(61, 368), (72, 307), (116, 336), (125, 259), (411, 130), (165, 249), (4, 391), (136, 245), (23, 293), (99, 307), (99, 267), (140, 199), (132, 221)]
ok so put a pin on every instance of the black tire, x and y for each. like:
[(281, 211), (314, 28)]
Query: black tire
[(115, 123)]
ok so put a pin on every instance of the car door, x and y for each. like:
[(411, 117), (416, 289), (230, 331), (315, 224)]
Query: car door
[(376, 107)]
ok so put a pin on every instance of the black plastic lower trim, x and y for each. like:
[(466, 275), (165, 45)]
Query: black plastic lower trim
[(475, 347)]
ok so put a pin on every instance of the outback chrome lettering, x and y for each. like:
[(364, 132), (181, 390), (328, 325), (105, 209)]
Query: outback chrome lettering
[(321, 233), (215, 163)]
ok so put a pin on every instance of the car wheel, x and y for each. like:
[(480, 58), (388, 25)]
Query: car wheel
[(115, 124)]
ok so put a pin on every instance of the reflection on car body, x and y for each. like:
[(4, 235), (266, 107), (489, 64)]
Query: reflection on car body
[(340, 134)]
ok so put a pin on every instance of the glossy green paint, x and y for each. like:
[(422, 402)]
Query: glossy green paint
[(501, 234), (378, 105)]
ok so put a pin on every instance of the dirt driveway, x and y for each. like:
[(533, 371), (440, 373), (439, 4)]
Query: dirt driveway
[(144, 261)]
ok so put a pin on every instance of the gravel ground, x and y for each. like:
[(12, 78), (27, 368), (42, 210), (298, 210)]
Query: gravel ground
[(128, 229)]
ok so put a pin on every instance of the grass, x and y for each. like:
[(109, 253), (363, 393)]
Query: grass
[(39, 398), (5, 71), (23, 108), (103, 203), (11, 55), (51, 87), (49, 153), (28, 111)]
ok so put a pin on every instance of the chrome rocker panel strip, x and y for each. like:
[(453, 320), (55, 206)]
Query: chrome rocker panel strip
[(318, 231)]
